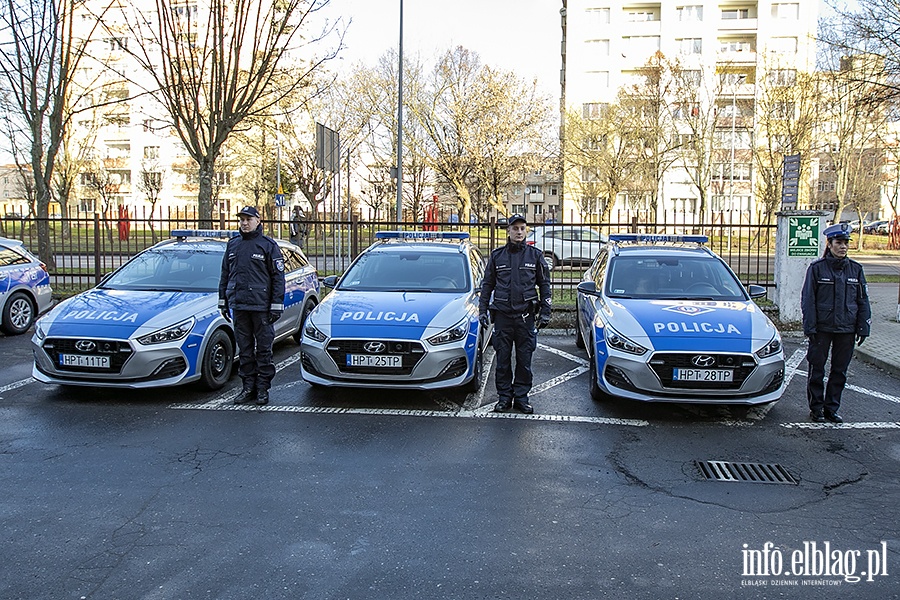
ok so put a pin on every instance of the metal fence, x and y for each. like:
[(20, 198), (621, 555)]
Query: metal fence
[(84, 249)]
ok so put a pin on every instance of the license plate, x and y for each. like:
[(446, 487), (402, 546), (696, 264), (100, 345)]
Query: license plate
[(84, 360), (702, 375), (390, 361)]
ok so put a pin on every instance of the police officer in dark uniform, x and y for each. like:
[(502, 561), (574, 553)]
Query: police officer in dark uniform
[(836, 313), (252, 287), (516, 286)]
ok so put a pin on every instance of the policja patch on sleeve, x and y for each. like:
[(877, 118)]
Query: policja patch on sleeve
[(279, 264)]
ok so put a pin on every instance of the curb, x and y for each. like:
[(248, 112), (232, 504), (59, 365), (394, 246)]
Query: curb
[(890, 366)]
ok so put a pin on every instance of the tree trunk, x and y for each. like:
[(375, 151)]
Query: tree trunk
[(205, 198)]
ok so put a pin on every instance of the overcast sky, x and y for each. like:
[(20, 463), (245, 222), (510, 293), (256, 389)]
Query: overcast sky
[(517, 35)]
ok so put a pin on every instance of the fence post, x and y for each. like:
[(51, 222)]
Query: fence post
[(97, 249), (354, 236)]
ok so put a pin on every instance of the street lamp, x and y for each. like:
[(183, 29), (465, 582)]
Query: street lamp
[(400, 124)]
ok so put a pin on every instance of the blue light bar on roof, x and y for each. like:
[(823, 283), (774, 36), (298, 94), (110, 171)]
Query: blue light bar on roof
[(421, 235), (202, 233), (653, 238)]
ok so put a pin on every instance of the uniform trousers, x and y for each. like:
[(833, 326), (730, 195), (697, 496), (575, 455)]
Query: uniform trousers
[(514, 331), (841, 345), (255, 336)]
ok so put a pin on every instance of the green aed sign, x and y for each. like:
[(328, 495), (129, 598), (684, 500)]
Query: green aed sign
[(803, 236)]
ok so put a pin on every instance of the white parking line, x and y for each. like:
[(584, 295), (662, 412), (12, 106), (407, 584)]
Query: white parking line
[(790, 367), (16, 385), (870, 425), (862, 390)]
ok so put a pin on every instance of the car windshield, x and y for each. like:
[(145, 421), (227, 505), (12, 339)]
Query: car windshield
[(672, 278), (408, 271), (169, 270)]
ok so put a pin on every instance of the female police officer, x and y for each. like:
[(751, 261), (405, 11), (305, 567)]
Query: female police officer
[(836, 312)]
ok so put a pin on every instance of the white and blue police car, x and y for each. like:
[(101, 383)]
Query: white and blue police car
[(154, 321), (403, 315), (24, 287), (664, 319)]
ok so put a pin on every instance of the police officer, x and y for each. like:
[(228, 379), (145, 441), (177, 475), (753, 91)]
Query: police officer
[(516, 286), (252, 287), (836, 313)]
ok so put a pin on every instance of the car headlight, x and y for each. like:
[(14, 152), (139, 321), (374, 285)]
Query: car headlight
[(452, 334), (616, 340), (169, 334), (773, 347), (312, 332), (39, 332)]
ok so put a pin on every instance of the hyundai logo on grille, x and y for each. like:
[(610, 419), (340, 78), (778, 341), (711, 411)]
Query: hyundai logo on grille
[(703, 360), (85, 346), (374, 347)]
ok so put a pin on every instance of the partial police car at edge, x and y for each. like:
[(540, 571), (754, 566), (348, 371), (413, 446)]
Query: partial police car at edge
[(24, 287), (154, 320), (403, 315), (672, 323)]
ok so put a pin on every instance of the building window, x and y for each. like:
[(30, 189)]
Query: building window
[(739, 139), (637, 15), (826, 186), (120, 177), (787, 10), (689, 46), (783, 77), (725, 203), (534, 189), (686, 110), (732, 79), (690, 13), (598, 16), (554, 190), (782, 110), (730, 14), (151, 151), (519, 209), (722, 171), (593, 110), (687, 205), (223, 178), (826, 167), (597, 48), (735, 46)]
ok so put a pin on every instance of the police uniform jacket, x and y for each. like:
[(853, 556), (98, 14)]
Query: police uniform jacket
[(252, 274), (835, 298), (519, 279)]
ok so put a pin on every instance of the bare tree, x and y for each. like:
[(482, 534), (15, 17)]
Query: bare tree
[(150, 183), (212, 75), (38, 61), (868, 27)]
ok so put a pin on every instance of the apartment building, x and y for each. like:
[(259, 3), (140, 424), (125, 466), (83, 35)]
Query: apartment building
[(730, 47)]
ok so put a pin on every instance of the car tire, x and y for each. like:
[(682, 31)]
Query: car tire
[(307, 308), (474, 385), (218, 361), (18, 314), (597, 393)]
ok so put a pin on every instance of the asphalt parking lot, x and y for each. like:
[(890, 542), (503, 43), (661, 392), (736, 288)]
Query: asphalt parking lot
[(176, 493)]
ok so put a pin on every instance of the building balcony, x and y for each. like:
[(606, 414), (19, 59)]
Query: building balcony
[(737, 58), (738, 25), (537, 198)]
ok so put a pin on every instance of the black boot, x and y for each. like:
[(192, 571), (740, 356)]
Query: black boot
[(247, 395), (262, 397)]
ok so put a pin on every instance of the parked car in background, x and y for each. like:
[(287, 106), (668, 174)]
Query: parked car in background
[(24, 287), (155, 322), (873, 227), (884, 228), (566, 244)]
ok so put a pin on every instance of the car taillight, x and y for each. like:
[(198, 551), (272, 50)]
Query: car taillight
[(44, 267)]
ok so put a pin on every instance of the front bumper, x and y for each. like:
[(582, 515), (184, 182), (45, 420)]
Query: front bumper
[(424, 367), (635, 378), (132, 365)]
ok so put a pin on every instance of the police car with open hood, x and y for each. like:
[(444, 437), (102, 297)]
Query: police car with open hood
[(154, 321), (403, 315), (664, 319)]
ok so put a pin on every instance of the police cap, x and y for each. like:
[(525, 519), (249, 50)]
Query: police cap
[(838, 231), (249, 211), (516, 218)]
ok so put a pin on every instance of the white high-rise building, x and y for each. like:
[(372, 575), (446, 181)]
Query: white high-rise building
[(733, 45)]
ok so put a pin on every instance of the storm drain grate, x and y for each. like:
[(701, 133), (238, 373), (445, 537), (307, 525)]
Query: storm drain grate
[(721, 470)]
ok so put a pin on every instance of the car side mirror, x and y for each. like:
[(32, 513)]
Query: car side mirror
[(588, 287), (757, 291), (330, 281)]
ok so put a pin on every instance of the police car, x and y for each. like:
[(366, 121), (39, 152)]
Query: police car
[(403, 315), (664, 319), (24, 287), (154, 321)]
